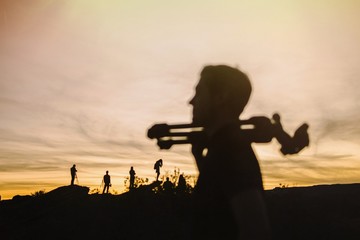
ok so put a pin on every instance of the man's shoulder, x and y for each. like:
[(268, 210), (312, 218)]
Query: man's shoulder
[(229, 134)]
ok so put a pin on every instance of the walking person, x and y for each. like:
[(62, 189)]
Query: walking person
[(237, 209)]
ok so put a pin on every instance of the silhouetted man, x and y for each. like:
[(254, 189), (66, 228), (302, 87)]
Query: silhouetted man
[(73, 173), (157, 166), (132, 177), (107, 183), (235, 210), (168, 186)]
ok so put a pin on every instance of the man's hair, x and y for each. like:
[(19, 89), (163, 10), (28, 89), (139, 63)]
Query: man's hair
[(225, 79)]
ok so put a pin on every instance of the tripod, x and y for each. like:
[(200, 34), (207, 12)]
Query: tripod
[(77, 180)]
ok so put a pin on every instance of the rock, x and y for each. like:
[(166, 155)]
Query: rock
[(71, 192)]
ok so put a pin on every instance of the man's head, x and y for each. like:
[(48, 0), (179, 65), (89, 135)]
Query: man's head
[(221, 90), (107, 172)]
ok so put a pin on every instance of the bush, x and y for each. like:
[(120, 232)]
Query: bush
[(38, 193)]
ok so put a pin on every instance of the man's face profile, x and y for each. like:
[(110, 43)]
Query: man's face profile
[(201, 103)]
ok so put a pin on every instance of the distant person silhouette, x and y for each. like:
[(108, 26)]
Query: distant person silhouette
[(181, 187), (107, 182), (168, 186), (73, 173), (132, 177), (235, 210), (157, 166)]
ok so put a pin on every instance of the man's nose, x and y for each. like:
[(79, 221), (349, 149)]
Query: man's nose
[(191, 102)]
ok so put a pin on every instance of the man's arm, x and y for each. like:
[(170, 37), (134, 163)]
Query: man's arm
[(197, 150)]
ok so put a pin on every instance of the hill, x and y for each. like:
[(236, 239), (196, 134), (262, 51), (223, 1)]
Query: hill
[(69, 212), (317, 212)]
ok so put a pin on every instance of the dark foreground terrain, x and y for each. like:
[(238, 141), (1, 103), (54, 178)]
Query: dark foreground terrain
[(69, 212)]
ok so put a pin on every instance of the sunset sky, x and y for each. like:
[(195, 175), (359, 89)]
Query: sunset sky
[(81, 81)]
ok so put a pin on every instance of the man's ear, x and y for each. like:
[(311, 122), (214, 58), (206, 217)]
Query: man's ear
[(221, 99)]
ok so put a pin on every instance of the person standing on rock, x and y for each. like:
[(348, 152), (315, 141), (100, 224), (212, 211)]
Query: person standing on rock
[(132, 177), (73, 173), (107, 182)]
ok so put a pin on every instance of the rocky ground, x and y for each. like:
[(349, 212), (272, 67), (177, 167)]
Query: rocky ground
[(69, 212)]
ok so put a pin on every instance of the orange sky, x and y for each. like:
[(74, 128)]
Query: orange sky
[(81, 82)]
